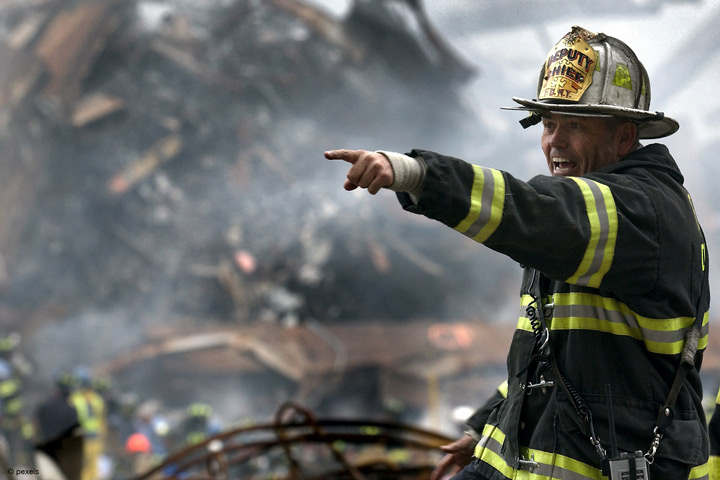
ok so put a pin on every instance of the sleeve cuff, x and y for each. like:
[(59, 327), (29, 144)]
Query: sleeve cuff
[(409, 173)]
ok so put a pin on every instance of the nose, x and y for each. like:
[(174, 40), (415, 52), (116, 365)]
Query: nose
[(557, 138)]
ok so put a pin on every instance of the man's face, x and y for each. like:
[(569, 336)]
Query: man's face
[(574, 146)]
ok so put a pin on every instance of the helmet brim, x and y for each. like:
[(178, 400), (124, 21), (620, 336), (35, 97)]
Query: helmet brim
[(650, 124)]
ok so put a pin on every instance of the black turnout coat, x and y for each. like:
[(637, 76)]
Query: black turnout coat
[(620, 254)]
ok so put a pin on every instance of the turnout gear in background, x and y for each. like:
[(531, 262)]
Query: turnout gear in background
[(59, 441), (198, 425), (90, 408), (714, 432), (615, 281), (15, 426)]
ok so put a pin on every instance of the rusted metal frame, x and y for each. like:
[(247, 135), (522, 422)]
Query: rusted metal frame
[(240, 453), (318, 433), (307, 414)]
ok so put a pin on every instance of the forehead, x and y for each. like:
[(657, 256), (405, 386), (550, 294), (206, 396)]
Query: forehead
[(604, 121), (574, 118)]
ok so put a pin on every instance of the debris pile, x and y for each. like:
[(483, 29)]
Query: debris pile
[(298, 445), (165, 170)]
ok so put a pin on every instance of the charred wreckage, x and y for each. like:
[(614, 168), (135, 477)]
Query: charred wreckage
[(166, 215)]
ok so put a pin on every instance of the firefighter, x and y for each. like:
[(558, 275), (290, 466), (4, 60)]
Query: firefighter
[(59, 440), (198, 425), (603, 368), (15, 426), (90, 407), (714, 432), (140, 451)]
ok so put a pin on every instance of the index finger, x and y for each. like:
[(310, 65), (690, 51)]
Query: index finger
[(343, 154)]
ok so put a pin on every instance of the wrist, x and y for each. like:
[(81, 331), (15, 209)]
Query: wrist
[(472, 433), (409, 172)]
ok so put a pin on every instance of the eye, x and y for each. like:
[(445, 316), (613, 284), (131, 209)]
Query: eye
[(548, 125)]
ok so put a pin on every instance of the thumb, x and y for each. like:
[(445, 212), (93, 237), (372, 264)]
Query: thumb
[(451, 448)]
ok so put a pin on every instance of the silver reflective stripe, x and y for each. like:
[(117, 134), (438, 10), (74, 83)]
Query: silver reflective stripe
[(486, 200), (486, 204), (618, 318), (604, 225), (603, 222), (586, 311)]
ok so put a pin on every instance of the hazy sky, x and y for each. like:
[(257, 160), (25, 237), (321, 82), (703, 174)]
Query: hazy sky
[(507, 41), (510, 40)]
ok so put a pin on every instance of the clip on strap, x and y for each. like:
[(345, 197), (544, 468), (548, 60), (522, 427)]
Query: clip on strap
[(687, 363), (533, 119)]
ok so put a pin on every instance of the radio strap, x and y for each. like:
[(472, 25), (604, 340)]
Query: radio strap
[(665, 415), (542, 335), (687, 363)]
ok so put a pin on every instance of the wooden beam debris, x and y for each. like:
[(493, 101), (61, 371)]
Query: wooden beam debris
[(184, 59), (94, 107), (21, 76), (72, 42), (323, 25), (163, 150)]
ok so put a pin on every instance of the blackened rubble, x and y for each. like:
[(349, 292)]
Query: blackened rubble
[(168, 167)]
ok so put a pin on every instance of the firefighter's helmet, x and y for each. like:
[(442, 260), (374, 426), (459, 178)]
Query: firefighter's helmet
[(138, 443), (199, 410), (593, 74), (83, 376), (8, 344), (65, 381)]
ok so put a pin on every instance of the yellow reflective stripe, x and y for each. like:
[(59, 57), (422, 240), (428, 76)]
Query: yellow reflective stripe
[(27, 430), (692, 205), (560, 466), (602, 215), (717, 398), (550, 465), (703, 341), (9, 387), (88, 418), (13, 406), (82, 408), (488, 448), (195, 437), (702, 472), (490, 435), (503, 389), (713, 467), (498, 463), (586, 311), (487, 201)]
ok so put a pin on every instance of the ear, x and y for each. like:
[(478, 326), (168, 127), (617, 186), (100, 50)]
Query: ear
[(626, 136)]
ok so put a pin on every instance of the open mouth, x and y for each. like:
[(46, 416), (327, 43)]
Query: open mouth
[(563, 166)]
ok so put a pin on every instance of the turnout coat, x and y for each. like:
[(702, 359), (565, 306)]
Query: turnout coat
[(622, 258)]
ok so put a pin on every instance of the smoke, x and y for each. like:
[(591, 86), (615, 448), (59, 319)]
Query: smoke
[(135, 228), (106, 266)]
